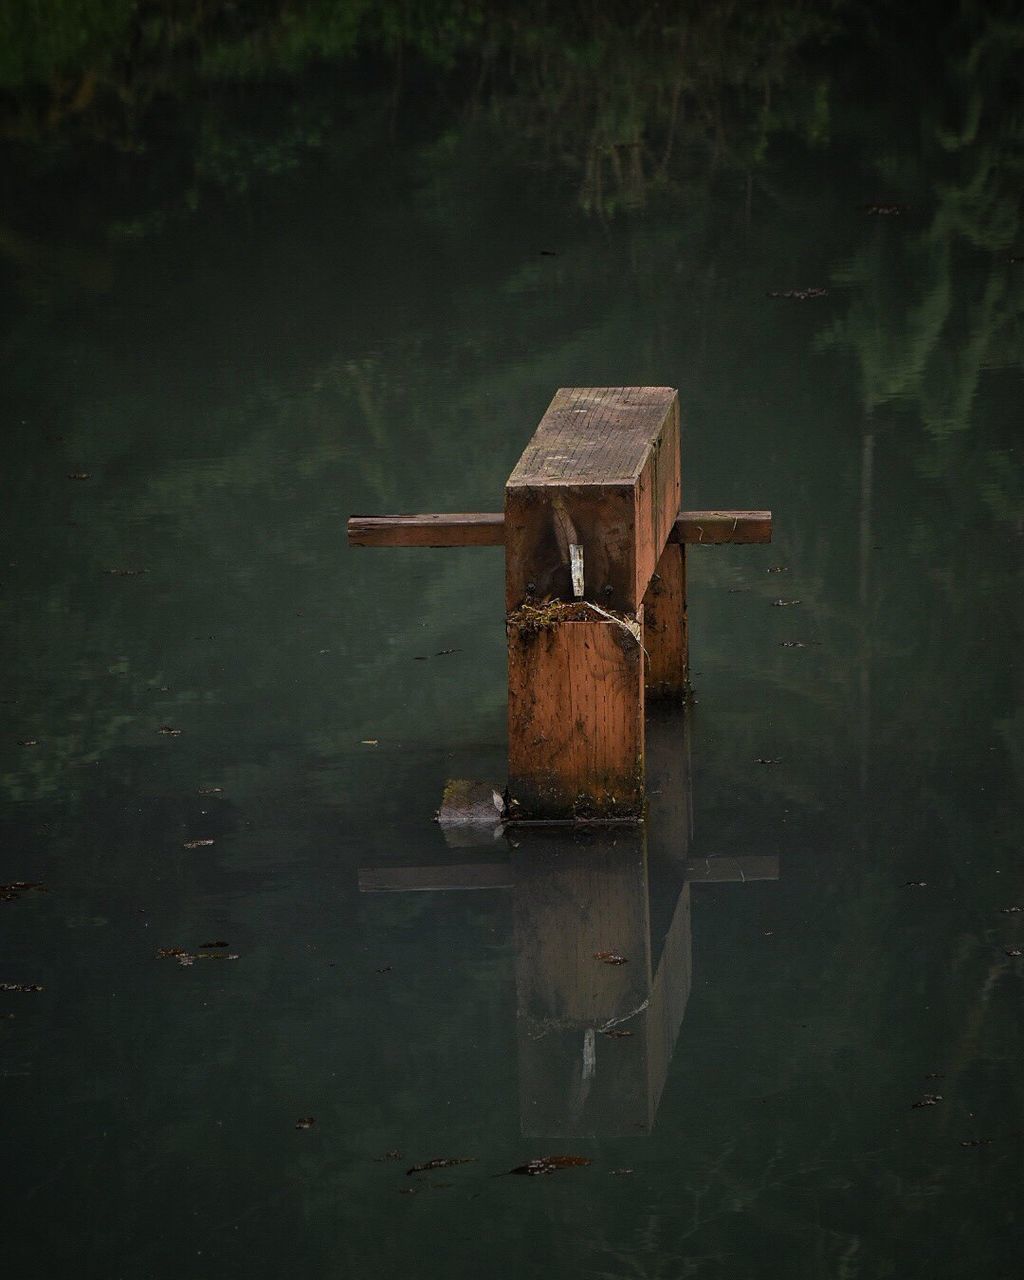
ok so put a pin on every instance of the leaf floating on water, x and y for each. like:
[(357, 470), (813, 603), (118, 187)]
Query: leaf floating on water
[(168, 732), (616, 1034), (440, 1162), (550, 1164), (784, 604), (610, 957), (197, 844), (21, 986), (800, 295), (929, 1100), (305, 1122)]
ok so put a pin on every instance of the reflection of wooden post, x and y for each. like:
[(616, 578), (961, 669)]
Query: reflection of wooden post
[(588, 511), (666, 638)]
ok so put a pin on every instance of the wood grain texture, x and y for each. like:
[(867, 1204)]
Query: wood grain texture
[(601, 472), (487, 529), (575, 721), (666, 637)]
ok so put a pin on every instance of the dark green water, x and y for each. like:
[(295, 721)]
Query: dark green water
[(249, 295)]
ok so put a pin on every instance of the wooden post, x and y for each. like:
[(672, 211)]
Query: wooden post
[(666, 637), (588, 511), (575, 720)]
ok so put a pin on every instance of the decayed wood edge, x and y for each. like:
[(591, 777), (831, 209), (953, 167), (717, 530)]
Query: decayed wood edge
[(487, 529)]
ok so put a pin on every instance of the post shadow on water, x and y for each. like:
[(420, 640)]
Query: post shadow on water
[(603, 943)]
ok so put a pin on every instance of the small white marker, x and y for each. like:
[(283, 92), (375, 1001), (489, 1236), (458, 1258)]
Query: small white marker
[(576, 565)]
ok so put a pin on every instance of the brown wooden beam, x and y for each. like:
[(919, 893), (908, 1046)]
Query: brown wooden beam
[(598, 481), (487, 529)]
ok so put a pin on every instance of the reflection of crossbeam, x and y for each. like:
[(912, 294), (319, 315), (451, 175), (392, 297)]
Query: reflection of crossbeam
[(498, 875)]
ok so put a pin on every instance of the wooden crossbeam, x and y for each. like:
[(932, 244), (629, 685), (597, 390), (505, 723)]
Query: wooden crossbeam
[(487, 529)]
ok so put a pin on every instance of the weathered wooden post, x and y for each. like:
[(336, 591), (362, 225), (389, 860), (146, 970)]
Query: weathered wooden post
[(588, 513), (595, 593)]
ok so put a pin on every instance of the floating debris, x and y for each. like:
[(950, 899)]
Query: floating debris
[(211, 791), (385, 969), (767, 760), (977, 1142), (439, 1162), (28, 742), (1015, 953), (204, 945), (125, 573), (169, 732), (549, 1164), (11, 892), (619, 1172), (197, 844), (369, 742), (777, 568), (388, 1155), (21, 986), (616, 1034), (610, 957), (800, 295), (886, 210), (1011, 911), (914, 884), (929, 1100), (78, 475), (305, 1122), (793, 644), (443, 653), (784, 604), (183, 957)]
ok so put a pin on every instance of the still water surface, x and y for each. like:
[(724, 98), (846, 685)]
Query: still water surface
[(332, 290)]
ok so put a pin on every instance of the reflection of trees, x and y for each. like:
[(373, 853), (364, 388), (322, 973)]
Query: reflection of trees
[(935, 300)]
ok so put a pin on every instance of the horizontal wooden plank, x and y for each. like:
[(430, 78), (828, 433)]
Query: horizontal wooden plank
[(487, 529), (474, 529), (481, 875)]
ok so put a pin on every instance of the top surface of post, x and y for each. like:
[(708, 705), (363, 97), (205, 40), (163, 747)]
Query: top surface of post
[(594, 496), (595, 435)]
